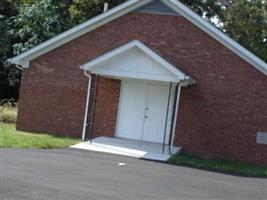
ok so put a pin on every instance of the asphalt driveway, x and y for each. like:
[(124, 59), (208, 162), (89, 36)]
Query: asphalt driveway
[(73, 174)]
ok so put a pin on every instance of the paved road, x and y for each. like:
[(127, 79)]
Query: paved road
[(73, 174)]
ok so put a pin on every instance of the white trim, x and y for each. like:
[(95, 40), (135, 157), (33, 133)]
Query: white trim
[(175, 115), (87, 104), (24, 58), (135, 75), (147, 85), (119, 109), (122, 94), (92, 65)]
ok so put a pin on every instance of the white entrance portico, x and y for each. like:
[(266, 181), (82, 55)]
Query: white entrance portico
[(149, 95)]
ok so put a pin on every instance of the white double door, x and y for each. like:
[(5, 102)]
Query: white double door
[(142, 111)]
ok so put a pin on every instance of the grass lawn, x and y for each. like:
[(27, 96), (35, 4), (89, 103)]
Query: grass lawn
[(11, 138), (219, 165)]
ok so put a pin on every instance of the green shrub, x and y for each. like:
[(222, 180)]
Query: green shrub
[(8, 112)]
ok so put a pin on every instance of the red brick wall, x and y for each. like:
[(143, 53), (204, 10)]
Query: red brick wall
[(219, 116), (107, 101), (52, 98)]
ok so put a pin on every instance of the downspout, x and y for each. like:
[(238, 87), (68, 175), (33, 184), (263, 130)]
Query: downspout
[(175, 116), (85, 124), (19, 67)]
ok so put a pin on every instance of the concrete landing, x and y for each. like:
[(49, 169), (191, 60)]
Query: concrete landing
[(132, 148)]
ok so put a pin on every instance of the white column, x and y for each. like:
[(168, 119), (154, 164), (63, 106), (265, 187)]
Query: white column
[(87, 104), (175, 115)]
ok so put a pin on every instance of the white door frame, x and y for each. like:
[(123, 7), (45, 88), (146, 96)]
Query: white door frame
[(147, 83)]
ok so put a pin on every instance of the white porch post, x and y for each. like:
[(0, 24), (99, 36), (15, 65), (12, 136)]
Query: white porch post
[(87, 104), (175, 115)]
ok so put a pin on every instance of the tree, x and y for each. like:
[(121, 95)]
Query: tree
[(23, 25), (9, 76), (207, 8), (246, 22), (39, 22), (81, 10)]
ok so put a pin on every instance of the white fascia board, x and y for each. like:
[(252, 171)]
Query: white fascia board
[(90, 66), (218, 35), (79, 30)]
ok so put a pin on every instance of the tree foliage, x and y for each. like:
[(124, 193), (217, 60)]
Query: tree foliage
[(246, 22), (82, 10), (39, 22), (207, 8), (9, 76)]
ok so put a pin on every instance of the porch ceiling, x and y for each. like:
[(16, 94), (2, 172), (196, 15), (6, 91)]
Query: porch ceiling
[(137, 61)]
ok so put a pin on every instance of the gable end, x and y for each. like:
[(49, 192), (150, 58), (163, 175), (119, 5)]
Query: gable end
[(156, 7), (127, 7)]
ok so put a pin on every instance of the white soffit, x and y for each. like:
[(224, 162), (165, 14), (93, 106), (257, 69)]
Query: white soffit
[(135, 60), (130, 5)]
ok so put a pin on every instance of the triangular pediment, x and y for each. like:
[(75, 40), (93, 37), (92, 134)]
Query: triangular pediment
[(135, 60)]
